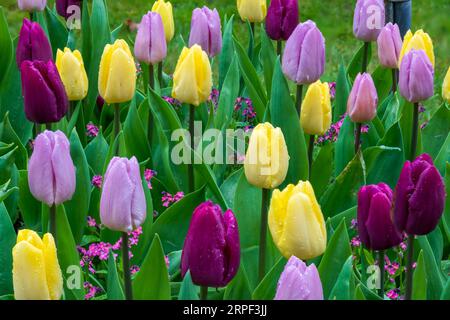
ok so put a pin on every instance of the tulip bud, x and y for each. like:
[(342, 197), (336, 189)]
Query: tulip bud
[(150, 46), (368, 19), (252, 10), (206, 30), (71, 69), (33, 43), (51, 173), (375, 226), (282, 18), (416, 80), (299, 282), (389, 46), (122, 204), (32, 5), (296, 222), (419, 41), (165, 11), (45, 99), (117, 74), (65, 8), (267, 159), (304, 55), (316, 109), (363, 99), (419, 197), (211, 250), (192, 79), (36, 272), (446, 87)]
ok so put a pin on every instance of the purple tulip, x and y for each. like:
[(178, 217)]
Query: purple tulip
[(206, 30), (211, 250), (389, 46), (122, 204), (368, 19), (33, 43), (282, 18), (45, 98), (363, 99), (299, 282), (416, 81), (150, 46), (375, 226), (32, 5), (65, 7), (304, 54), (51, 173), (419, 197)]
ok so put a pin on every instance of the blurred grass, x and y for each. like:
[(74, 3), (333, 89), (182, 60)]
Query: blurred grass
[(334, 18)]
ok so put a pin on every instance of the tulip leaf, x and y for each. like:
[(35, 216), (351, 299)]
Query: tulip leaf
[(268, 58), (342, 92), (405, 122), (227, 53), (229, 186), (135, 138), (8, 135), (10, 174), (446, 215), (7, 242), (446, 292), (6, 46), (266, 290), (348, 215), (188, 290), (382, 78), (344, 287), (5, 192), (355, 65), (96, 152), (228, 95), (436, 131), (114, 287), (391, 107), (322, 169), (152, 280), (435, 278), (377, 159), (239, 287), (29, 206), (57, 31), (443, 156), (359, 294), (345, 146), (420, 279)]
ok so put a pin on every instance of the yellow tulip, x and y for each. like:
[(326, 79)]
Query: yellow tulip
[(316, 109), (36, 271), (267, 159), (117, 73), (296, 222), (252, 10), (165, 11), (73, 75), (192, 79), (419, 41), (446, 87)]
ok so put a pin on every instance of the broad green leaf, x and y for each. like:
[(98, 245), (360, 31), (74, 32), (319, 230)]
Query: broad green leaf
[(344, 287), (239, 287), (135, 138), (443, 156), (8, 135), (355, 65), (57, 31), (377, 159), (96, 152), (266, 290), (446, 292), (435, 278), (29, 206), (188, 290), (436, 131), (114, 287), (268, 58), (382, 78), (322, 169), (344, 148), (228, 95), (420, 279), (7, 242), (6, 46), (342, 92), (227, 53)]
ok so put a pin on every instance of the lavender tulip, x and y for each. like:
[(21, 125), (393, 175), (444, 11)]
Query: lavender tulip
[(122, 204), (211, 250), (33, 43), (375, 226), (363, 99), (32, 5), (66, 8), (419, 197), (299, 282), (206, 30), (389, 46), (416, 81), (150, 46), (45, 98), (51, 173), (368, 19), (282, 18), (304, 54)]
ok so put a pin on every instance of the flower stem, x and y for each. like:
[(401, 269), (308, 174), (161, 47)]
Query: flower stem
[(31, 16), (126, 267), (263, 233), (116, 126), (53, 221), (160, 74), (203, 293), (394, 80), (48, 126), (381, 265), (415, 131), (279, 48), (365, 56), (409, 269), (151, 83), (252, 26), (299, 99), (358, 137), (310, 154), (191, 164)]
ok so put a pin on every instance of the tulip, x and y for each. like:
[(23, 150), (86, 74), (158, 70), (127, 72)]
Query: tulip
[(446, 87), (65, 7), (206, 30), (252, 10), (375, 226), (316, 109), (71, 69), (45, 99), (389, 46), (117, 73), (416, 81), (282, 18), (165, 11), (33, 43), (296, 222), (267, 160), (211, 250), (299, 282), (32, 5), (51, 173), (419, 41), (36, 272), (419, 197), (368, 19), (150, 46), (192, 79), (363, 99), (122, 204), (304, 54)]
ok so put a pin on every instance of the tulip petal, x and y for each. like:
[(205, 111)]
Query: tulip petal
[(63, 168), (52, 269)]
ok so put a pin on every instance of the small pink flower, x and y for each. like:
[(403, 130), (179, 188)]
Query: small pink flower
[(148, 175), (97, 181), (167, 199), (166, 259), (91, 222), (91, 130), (393, 294)]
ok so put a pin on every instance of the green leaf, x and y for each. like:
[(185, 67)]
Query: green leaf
[(443, 156), (342, 289), (268, 58), (436, 131), (420, 279), (57, 31), (446, 215), (96, 152), (344, 149), (29, 206), (114, 288), (435, 278), (446, 292), (266, 290), (342, 92), (227, 53), (135, 138), (188, 290), (382, 78), (229, 186), (359, 294), (228, 95), (348, 215), (7, 242), (377, 159), (355, 65), (322, 169), (8, 135), (392, 111), (5, 192), (405, 122), (6, 46), (239, 287)]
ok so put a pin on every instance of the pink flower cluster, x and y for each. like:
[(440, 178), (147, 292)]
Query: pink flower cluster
[(214, 98), (332, 86), (167, 199), (97, 181), (174, 102), (91, 290), (91, 130), (333, 133), (148, 175)]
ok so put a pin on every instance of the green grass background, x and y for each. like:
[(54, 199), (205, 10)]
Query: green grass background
[(333, 17)]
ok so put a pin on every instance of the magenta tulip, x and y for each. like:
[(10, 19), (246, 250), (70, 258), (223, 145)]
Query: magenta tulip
[(282, 18), (33, 44)]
